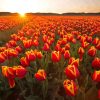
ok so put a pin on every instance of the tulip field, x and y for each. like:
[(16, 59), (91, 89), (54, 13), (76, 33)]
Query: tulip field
[(50, 58)]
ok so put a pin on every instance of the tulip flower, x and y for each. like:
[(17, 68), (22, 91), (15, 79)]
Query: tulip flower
[(55, 56), (2, 58), (20, 71), (95, 41), (35, 43), (92, 51), (72, 72), (40, 75), (19, 49), (71, 60), (24, 62), (96, 63), (9, 73), (89, 39), (30, 55), (27, 43), (46, 47), (39, 55), (67, 54), (81, 52), (70, 87), (57, 47), (12, 43), (67, 46), (96, 76), (84, 44)]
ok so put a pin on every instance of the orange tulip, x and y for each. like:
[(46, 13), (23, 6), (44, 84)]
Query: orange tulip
[(40, 75), (81, 52), (67, 46), (19, 49), (20, 72), (70, 87), (46, 47), (55, 56), (9, 73), (24, 62), (30, 55), (72, 72), (2, 58), (92, 51), (96, 63), (95, 41), (67, 54), (96, 76), (39, 55)]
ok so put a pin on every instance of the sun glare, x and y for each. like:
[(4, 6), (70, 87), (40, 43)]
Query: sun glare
[(22, 14)]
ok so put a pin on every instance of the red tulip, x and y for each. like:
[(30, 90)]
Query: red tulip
[(72, 72), (35, 43), (67, 46), (46, 47), (84, 44), (19, 49), (12, 43), (67, 54), (70, 87), (24, 62), (63, 50), (39, 55), (71, 60), (40, 75), (92, 51), (20, 72), (96, 63), (2, 58), (95, 41), (55, 56), (75, 62), (9, 73), (30, 55), (27, 43), (89, 39), (96, 76), (81, 52), (57, 47)]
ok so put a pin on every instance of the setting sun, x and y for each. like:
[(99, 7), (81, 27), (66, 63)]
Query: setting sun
[(22, 14)]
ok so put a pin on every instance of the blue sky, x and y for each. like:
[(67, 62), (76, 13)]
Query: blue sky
[(57, 6)]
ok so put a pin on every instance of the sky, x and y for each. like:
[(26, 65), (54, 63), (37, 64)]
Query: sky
[(55, 6)]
